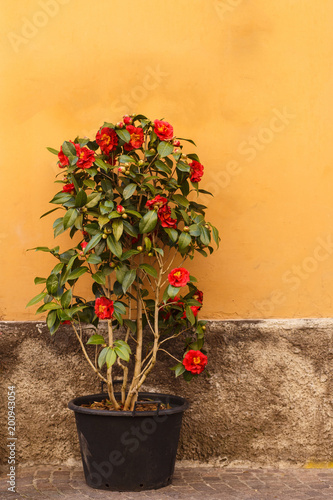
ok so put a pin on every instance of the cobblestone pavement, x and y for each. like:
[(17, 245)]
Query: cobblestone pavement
[(66, 483)]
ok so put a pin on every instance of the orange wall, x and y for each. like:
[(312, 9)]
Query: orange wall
[(249, 80)]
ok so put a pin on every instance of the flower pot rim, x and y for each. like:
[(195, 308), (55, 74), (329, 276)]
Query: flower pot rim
[(181, 404)]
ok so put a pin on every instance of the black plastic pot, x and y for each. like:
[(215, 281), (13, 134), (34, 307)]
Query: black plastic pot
[(128, 451)]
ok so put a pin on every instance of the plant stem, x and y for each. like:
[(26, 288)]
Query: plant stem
[(79, 337), (132, 393), (109, 371)]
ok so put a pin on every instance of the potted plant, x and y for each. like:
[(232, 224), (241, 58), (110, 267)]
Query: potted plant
[(127, 200)]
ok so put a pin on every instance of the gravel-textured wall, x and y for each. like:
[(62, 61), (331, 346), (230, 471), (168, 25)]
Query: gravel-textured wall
[(268, 400)]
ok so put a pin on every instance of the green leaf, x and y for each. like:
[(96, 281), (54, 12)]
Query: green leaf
[(91, 171), (172, 233), (148, 222), (52, 284), (190, 315), (128, 279), (54, 151), (184, 241), (131, 325), (76, 273), (61, 198), (183, 167), (99, 277), (93, 259), (122, 343), (93, 199), (133, 212), (188, 140), (49, 212), (81, 198), (66, 299), (110, 357), (50, 306), (114, 246), (172, 291), (102, 356), (149, 269), (179, 369), (129, 229), (101, 164), (37, 280), (216, 236), (129, 254), (194, 230), (126, 159), (78, 222), (147, 244), (188, 376), (162, 167), (102, 220), (68, 149), (96, 340), (93, 242), (129, 190), (181, 200), (164, 149), (118, 228), (123, 134), (204, 235), (119, 308), (89, 183), (70, 218), (36, 299), (194, 157), (51, 319), (186, 218), (122, 352)]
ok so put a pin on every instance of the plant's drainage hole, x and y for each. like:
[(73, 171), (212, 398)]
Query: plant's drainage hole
[(141, 485), (106, 485)]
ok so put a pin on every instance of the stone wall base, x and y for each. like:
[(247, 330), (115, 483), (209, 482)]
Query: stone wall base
[(268, 400)]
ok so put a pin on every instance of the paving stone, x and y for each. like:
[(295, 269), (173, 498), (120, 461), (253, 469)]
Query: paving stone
[(197, 483)]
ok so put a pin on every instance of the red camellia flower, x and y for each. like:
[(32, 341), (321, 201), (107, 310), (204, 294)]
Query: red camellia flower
[(164, 214), (195, 310), (104, 308), (68, 188), (66, 322), (195, 361), (63, 160), (137, 138), (163, 130), (157, 202), (107, 139), (120, 209), (196, 171), (179, 277), (198, 296), (86, 158)]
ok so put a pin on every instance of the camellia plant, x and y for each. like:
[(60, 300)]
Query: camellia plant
[(127, 201)]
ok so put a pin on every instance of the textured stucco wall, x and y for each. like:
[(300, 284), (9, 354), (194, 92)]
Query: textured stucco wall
[(249, 80), (268, 400)]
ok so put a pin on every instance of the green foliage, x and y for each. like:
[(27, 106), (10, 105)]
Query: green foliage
[(124, 250)]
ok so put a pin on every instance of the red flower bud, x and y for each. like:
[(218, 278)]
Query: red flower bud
[(127, 120)]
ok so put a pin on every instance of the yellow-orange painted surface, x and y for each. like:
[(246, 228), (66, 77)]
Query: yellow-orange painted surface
[(249, 80)]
